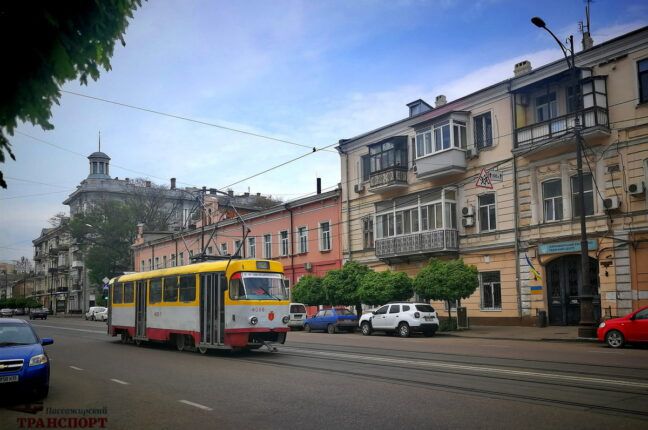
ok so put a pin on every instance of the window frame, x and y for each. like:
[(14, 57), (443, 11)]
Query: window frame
[(151, 291), (284, 243), (640, 90), (485, 131), (382, 157), (573, 183), (267, 246), (325, 243), (251, 247), (554, 199), (302, 239), (492, 223), (368, 232), (491, 284)]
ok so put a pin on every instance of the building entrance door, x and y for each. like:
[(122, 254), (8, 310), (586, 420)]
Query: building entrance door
[(564, 286)]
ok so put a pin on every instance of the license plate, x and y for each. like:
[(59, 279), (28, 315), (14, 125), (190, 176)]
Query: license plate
[(428, 318), (298, 317), (12, 378)]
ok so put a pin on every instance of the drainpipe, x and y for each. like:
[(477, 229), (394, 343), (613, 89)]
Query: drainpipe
[(516, 208), (346, 201), (291, 251)]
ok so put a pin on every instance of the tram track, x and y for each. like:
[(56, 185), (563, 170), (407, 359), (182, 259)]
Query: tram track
[(472, 390)]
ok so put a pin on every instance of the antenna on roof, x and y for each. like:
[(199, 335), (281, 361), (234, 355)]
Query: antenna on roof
[(584, 28), (99, 140)]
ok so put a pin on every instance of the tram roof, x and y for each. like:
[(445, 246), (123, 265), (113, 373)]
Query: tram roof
[(205, 267)]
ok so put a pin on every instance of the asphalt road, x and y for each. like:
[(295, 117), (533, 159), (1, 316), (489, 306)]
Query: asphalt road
[(340, 381)]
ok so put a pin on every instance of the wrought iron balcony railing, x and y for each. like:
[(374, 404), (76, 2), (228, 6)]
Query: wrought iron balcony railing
[(418, 243)]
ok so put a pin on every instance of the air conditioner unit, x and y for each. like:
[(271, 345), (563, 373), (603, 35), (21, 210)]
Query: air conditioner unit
[(358, 188), (637, 188), (468, 211), (611, 203), (308, 266), (468, 221), (471, 153)]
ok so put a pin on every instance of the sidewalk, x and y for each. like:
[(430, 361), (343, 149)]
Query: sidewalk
[(551, 333)]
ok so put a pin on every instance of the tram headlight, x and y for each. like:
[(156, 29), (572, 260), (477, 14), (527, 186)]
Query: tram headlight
[(285, 319), (254, 320)]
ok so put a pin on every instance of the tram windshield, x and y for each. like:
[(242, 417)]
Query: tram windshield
[(258, 286)]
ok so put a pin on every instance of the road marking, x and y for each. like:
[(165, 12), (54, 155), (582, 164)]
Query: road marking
[(478, 369), (119, 381), (196, 405), (609, 352), (76, 368), (73, 329)]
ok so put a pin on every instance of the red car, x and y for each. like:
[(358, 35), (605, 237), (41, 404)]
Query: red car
[(631, 328)]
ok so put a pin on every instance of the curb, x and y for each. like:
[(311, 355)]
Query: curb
[(542, 339)]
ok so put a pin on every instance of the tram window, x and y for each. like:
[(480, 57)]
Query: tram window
[(171, 289), (117, 294), (155, 291), (236, 289), (129, 297), (187, 288)]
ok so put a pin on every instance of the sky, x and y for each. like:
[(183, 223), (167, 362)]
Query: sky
[(309, 72)]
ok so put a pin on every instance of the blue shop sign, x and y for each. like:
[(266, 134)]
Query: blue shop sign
[(560, 247)]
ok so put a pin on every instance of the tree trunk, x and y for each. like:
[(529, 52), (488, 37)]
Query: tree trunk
[(358, 308)]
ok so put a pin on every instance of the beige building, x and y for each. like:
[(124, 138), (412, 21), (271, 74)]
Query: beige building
[(490, 178)]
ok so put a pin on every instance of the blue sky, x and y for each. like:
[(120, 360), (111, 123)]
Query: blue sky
[(310, 72)]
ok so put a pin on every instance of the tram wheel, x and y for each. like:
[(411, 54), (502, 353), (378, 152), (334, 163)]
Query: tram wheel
[(138, 342), (125, 338), (203, 350), (180, 342)]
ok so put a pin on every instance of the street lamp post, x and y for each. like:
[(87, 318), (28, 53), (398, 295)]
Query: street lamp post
[(587, 324)]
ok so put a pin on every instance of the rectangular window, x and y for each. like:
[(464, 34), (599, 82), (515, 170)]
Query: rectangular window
[(171, 289), (367, 233), (388, 154), (182, 258), (164, 261), (384, 225), (129, 292), (572, 98), (173, 260), (187, 288), (157, 262), (223, 249), (283, 243), (237, 248), (546, 107), (483, 129), (491, 290), (442, 136), (325, 236), (487, 219), (210, 250), (302, 234), (423, 143), (118, 293), (143, 266), (366, 167), (251, 247), (267, 246), (155, 291), (150, 265), (451, 215), (642, 71), (459, 139), (588, 192), (552, 196)]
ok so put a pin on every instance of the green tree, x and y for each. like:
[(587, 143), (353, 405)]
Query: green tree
[(48, 43), (309, 291), (105, 233), (378, 288), (341, 286), (446, 280)]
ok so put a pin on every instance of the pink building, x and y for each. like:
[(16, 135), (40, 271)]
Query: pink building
[(304, 235)]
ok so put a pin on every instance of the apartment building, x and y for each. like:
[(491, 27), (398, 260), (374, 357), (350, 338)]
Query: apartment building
[(303, 235), (490, 178)]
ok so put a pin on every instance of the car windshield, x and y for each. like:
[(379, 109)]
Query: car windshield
[(16, 334), (297, 309), (424, 308), (258, 286)]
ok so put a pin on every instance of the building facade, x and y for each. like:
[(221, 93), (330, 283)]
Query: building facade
[(303, 235), (490, 178)]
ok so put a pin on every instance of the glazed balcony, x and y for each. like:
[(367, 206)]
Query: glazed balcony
[(421, 243), (447, 162), (388, 179)]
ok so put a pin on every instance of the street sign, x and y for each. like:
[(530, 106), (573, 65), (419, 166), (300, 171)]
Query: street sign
[(496, 176), (105, 280), (484, 180)]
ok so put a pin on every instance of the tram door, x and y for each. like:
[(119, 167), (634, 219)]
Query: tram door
[(140, 310), (212, 308)]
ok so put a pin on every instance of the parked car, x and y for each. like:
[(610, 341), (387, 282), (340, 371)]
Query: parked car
[(24, 362), (402, 318), (632, 328), (101, 315), (297, 316), (38, 313), (6, 312), (332, 321), (90, 315), (19, 311)]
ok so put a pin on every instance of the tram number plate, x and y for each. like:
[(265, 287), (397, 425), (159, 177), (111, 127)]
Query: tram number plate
[(12, 378)]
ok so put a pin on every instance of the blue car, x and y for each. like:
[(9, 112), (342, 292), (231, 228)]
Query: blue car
[(24, 364), (332, 321)]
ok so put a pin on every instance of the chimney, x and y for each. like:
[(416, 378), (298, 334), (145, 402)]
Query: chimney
[(522, 68), (173, 183), (588, 42), (440, 101), (148, 184), (319, 185), (246, 194), (258, 194)]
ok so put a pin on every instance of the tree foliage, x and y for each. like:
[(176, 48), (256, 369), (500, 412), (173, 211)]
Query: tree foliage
[(446, 280), (341, 286), (46, 44), (309, 291), (378, 288), (19, 303)]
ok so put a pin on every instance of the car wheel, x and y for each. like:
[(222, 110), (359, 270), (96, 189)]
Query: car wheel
[(92, 317), (614, 339), (366, 328), (330, 329), (403, 329), (307, 328)]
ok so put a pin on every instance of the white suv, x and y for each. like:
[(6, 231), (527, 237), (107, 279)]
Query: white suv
[(402, 318)]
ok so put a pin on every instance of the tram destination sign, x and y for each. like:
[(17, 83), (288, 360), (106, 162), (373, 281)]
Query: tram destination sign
[(560, 247)]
